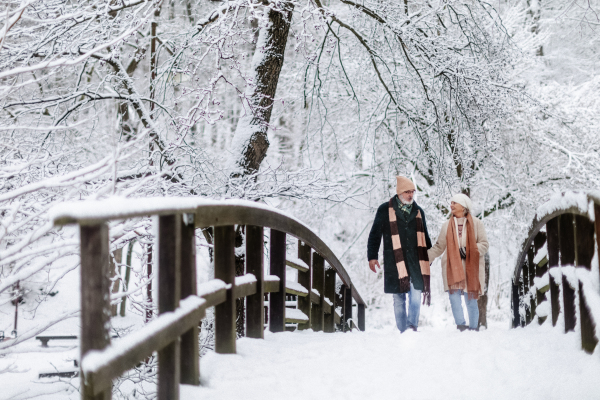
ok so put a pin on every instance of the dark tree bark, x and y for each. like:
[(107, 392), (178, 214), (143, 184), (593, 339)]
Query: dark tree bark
[(251, 143), (483, 300)]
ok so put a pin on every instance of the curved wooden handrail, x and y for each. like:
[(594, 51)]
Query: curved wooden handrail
[(563, 269), (181, 304), (546, 213), (206, 213)]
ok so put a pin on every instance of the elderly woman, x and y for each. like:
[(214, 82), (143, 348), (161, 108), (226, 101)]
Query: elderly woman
[(464, 241)]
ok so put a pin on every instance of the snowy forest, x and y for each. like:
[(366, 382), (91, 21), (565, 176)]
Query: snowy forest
[(309, 106)]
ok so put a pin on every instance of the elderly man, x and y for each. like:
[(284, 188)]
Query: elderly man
[(402, 224)]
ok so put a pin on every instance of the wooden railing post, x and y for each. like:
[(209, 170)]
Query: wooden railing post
[(525, 290), (540, 270), (304, 278), (255, 315), (318, 282), (225, 327), (341, 302), (516, 321), (190, 352), (169, 293), (567, 258), (584, 252), (277, 268), (348, 309), (329, 319), (530, 279), (95, 297), (553, 246), (361, 317)]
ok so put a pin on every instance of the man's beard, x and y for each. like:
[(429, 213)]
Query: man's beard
[(406, 203)]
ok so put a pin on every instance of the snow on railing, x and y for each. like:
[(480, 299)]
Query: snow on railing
[(553, 276), (177, 322)]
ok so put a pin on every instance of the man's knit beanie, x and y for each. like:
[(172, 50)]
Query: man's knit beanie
[(403, 184)]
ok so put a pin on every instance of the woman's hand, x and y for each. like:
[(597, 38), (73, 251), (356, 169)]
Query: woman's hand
[(373, 264)]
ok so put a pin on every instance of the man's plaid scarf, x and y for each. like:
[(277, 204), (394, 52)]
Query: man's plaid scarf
[(399, 254)]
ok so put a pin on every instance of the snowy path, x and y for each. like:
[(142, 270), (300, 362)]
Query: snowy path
[(531, 363)]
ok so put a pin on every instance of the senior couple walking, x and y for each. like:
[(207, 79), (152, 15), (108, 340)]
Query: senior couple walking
[(408, 253)]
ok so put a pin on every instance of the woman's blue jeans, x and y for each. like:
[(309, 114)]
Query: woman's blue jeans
[(414, 308), (457, 310)]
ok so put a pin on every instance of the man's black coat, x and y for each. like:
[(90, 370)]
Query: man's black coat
[(407, 227)]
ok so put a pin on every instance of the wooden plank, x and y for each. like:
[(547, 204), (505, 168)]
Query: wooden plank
[(361, 317), (337, 318), (295, 265), (552, 230), (584, 252), (567, 257), (277, 268), (585, 243), (190, 352), (318, 283), (329, 319), (215, 297), (95, 299), (341, 302), (255, 303), (530, 271), (169, 293), (225, 328), (516, 319), (244, 288), (304, 279), (292, 290), (295, 316), (100, 368), (271, 286), (588, 337), (315, 299), (348, 308), (326, 308)]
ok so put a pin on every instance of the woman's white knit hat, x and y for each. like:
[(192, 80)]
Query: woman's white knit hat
[(463, 200)]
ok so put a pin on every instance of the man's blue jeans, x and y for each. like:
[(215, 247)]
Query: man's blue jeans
[(457, 310), (414, 308)]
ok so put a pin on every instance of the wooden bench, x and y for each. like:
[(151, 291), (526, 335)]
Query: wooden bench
[(46, 338)]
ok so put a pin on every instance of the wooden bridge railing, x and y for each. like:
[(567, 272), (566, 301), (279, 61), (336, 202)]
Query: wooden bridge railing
[(556, 259), (181, 306)]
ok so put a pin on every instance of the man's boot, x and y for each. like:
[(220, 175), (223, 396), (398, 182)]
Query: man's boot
[(462, 328)]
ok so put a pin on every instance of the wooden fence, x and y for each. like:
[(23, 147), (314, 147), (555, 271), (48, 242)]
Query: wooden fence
[(181, 306), (552, 277)]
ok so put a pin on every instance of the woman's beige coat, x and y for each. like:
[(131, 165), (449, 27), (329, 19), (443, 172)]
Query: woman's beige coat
[(440, 247)]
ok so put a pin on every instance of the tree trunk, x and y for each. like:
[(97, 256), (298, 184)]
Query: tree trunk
[(483, 300), (250, 143)]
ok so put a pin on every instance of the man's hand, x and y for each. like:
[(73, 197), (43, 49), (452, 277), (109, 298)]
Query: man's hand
[(373, 264)]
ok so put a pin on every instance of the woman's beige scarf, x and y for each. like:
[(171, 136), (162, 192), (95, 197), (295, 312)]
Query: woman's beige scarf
[(455, 272)]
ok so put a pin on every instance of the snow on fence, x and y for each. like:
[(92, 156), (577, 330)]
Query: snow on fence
[(318, 301), (559, 259)]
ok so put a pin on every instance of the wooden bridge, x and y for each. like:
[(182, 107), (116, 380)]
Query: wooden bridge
[(553, 275), (181, 306)]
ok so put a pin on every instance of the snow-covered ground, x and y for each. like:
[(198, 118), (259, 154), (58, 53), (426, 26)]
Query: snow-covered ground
[(434, 363), (531, 363)]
